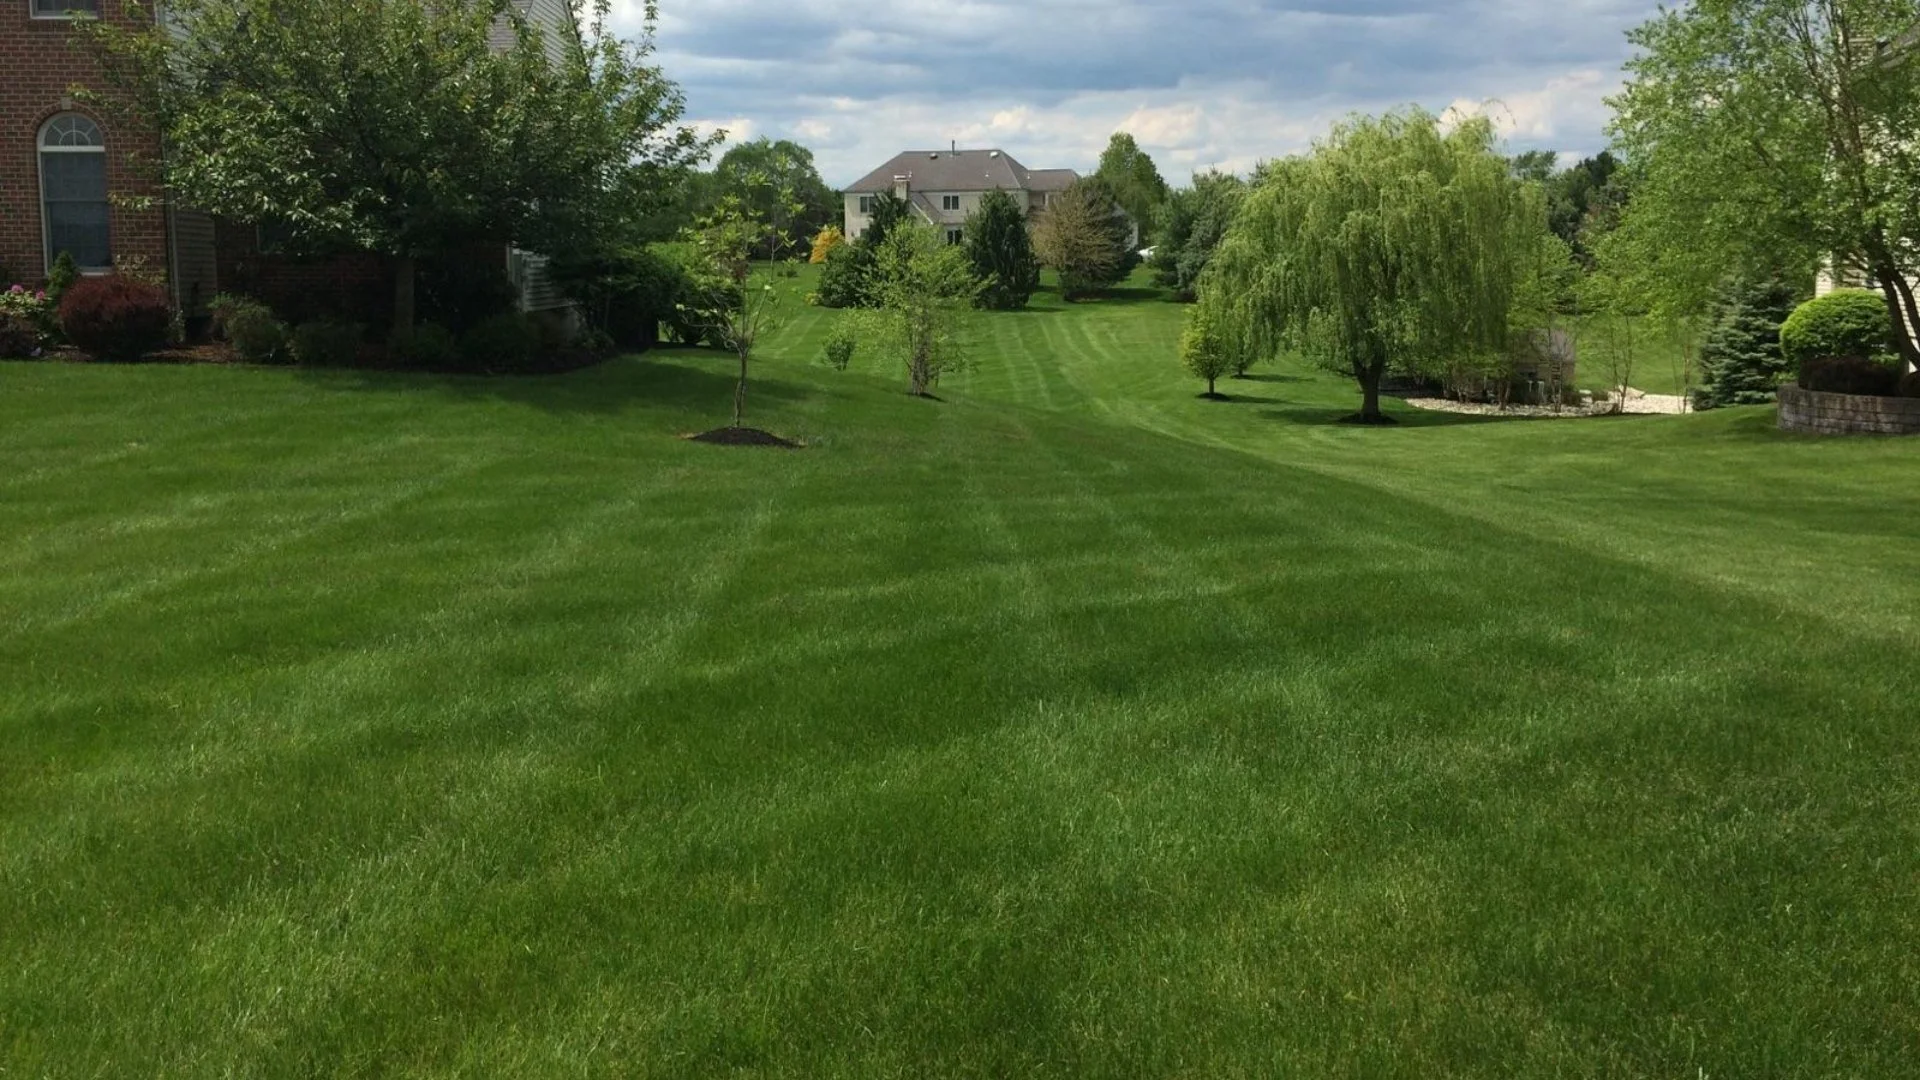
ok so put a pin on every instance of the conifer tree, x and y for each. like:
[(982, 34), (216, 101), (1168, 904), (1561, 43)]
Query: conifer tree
[(1002, 253), (1741, 356)]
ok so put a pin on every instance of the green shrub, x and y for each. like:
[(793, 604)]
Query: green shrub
[(1850, 375), (62, 277), (325, 343), (1847, 322), (843, 276), (461, 292), (626, 292), (596, 342), (431, 347), (116, 317), (249, 325), (19, 338), (841, 346), (505, 342)]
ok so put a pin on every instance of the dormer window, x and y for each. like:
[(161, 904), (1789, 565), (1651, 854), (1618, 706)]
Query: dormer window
[(949, 202), (64, 9)]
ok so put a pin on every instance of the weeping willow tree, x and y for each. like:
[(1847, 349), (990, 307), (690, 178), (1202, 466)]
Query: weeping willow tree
[(1394, 245)]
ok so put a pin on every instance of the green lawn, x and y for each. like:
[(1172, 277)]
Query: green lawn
[(358, 725)]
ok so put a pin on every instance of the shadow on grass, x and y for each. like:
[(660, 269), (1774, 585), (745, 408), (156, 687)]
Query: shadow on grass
[(691, 379), (1408, 419), (1270, 377)]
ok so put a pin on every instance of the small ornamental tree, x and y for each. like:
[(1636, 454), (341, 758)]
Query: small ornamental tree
[(1741, 357), (824, 242), (1394, 244), (1202, 353), (1001, 250), (1084, 236), (922, 290), (730, 308)]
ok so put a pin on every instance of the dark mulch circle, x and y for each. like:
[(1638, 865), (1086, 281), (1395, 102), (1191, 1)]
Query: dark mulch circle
[(742, 436)]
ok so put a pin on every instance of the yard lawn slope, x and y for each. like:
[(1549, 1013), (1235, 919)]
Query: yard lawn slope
[(377, 725)]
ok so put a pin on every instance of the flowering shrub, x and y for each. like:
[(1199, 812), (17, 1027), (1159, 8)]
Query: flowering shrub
[(26, 321)]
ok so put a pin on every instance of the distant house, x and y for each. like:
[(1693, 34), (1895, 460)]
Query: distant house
[(944, 186)]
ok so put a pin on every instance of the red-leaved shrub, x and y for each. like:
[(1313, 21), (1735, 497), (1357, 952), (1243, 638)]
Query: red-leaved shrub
[(115, 318)]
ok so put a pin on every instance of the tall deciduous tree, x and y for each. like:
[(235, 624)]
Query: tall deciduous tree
[(1772, 134), (778, 182), (1002, 252), (394, 126), (1083, 235), (1393, 244), (1134, 180)]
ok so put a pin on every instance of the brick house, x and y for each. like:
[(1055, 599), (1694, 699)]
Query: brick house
[(60, 159), (67, 171)]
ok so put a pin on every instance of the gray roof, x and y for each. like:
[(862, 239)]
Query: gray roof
[(962, 170)]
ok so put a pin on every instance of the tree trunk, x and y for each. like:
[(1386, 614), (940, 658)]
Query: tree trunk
[(1370, 394), (1903, 328), (1210, 392), (403, 276), (740, 393)]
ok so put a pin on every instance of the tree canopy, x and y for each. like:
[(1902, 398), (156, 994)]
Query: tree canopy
[(1768, 135), (777, 183), (1393, 244), (1133, 179), (395, 126), (1084, 236), (1189, 227)]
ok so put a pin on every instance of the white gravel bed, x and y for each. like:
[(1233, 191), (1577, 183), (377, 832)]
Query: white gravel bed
[(1637, 403)]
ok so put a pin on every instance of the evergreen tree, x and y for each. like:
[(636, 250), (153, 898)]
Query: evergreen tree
[(1002, 253), (1741, 357)]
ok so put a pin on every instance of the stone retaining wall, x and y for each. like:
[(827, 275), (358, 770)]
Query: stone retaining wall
[(1847, 414)]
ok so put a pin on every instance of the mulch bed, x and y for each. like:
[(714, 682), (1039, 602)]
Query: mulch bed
[(742, 436)]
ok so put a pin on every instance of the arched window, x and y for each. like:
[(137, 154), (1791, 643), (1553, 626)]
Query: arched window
[(73, 191)]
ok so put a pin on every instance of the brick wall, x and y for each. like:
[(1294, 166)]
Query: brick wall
[(38, 69)]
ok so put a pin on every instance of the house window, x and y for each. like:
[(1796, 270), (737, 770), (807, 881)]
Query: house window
[(64, 9), (949, 202), (954, 236), (73, 191), (866, 204)]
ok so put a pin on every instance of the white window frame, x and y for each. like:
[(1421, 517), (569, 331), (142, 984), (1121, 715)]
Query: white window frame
[(34, 12), (949, 202), (40, 152), (956, 236), (866, 204)]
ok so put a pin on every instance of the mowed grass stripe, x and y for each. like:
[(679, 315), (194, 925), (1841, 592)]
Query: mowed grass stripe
[(978, 739)]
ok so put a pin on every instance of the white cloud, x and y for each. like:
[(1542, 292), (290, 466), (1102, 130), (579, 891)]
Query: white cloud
[(1199, 83)]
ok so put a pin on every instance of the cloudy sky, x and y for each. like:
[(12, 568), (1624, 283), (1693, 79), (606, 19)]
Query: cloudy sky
[(1199, 83)]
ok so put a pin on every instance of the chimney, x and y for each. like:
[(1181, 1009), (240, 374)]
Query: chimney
[(901, 184), (956, 146)]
